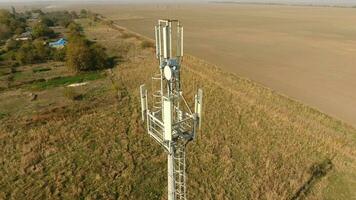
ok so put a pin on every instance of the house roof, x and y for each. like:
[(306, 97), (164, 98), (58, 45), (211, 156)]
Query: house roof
[(26, 34), (60, 42)]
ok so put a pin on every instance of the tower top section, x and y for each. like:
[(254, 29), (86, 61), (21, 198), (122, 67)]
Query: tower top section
[(169, 42)]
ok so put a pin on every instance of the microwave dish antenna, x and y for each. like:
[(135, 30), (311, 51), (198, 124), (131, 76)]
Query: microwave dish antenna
[(170, 121)]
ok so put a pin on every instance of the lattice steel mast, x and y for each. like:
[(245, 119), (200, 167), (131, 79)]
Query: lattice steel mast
[(170, 121)]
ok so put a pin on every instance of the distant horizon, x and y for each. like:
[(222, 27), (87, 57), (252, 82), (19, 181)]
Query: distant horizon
[(302, 2), (5, 4)]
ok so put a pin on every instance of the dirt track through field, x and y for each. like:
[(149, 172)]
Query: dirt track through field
[(307, 53)]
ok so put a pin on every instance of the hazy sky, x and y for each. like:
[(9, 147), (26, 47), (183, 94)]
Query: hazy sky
[(137, 1)]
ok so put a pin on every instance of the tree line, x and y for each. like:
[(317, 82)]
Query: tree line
[(80, 53), (83, 54)]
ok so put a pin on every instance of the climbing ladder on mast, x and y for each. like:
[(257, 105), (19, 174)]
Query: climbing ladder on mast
[(169, 119), (179, 172)]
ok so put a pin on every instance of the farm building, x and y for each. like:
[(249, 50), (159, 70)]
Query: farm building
[(58, 44), (24, 36)]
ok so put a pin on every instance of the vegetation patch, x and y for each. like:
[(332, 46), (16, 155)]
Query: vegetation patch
[(147, 44), (19, 75), (127, 35), (4, 72), (2, 115), (95, 92), (317, 171), (26, 37), (62, 81), (44, 69), (83, 54), (71, 94)]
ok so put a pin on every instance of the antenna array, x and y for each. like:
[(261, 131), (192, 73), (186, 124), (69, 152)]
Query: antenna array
[(170, 121)]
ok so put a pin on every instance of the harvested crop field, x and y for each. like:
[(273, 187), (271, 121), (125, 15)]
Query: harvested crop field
[(307, 53)]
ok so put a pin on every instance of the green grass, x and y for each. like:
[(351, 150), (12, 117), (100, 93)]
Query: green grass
[(2, 115), (62, 81), (42, 69), (19, 75), (8, 55)]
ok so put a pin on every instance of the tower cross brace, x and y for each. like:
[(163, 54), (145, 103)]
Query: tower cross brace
[(169, 120)]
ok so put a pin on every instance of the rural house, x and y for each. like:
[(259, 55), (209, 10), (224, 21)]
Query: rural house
[(24, 36), (58, 44)]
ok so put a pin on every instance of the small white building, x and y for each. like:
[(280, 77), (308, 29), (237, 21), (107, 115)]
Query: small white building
[(24, 36)]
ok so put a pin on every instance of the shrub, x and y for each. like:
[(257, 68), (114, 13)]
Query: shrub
[(81, 55), (127, 35), (10, 25), (2, 115), (109, 23), (41, 50), (11, 45), (99, 56), (8, 56), (74, 15), (19, 30), (5, 32), (147, 44), (78, 55), (37, 70), (25, 54), (35, 52), (5, 16), (46, 20), (74, 30), (83, 13), (59, 18), (42, 30), (59, 54), (71, 94)]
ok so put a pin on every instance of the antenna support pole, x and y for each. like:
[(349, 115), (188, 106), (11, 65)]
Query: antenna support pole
[(170, 121)]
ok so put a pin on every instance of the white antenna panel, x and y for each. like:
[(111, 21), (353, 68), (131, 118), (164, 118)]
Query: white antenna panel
[(171, 122), (143, 94), (169, 35), (166, 42), (180, 42), (199, 105), (167, 119), (157, 37)]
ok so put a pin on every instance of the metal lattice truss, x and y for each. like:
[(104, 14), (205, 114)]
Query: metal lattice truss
[(170, 121)]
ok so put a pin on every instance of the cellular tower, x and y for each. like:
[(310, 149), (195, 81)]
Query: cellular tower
[(169, 119)]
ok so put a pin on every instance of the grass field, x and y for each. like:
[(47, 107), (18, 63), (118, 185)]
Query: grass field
[(307, 53)]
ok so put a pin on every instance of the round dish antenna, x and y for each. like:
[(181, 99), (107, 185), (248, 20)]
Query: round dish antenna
[(167, 73), (171, 121)]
